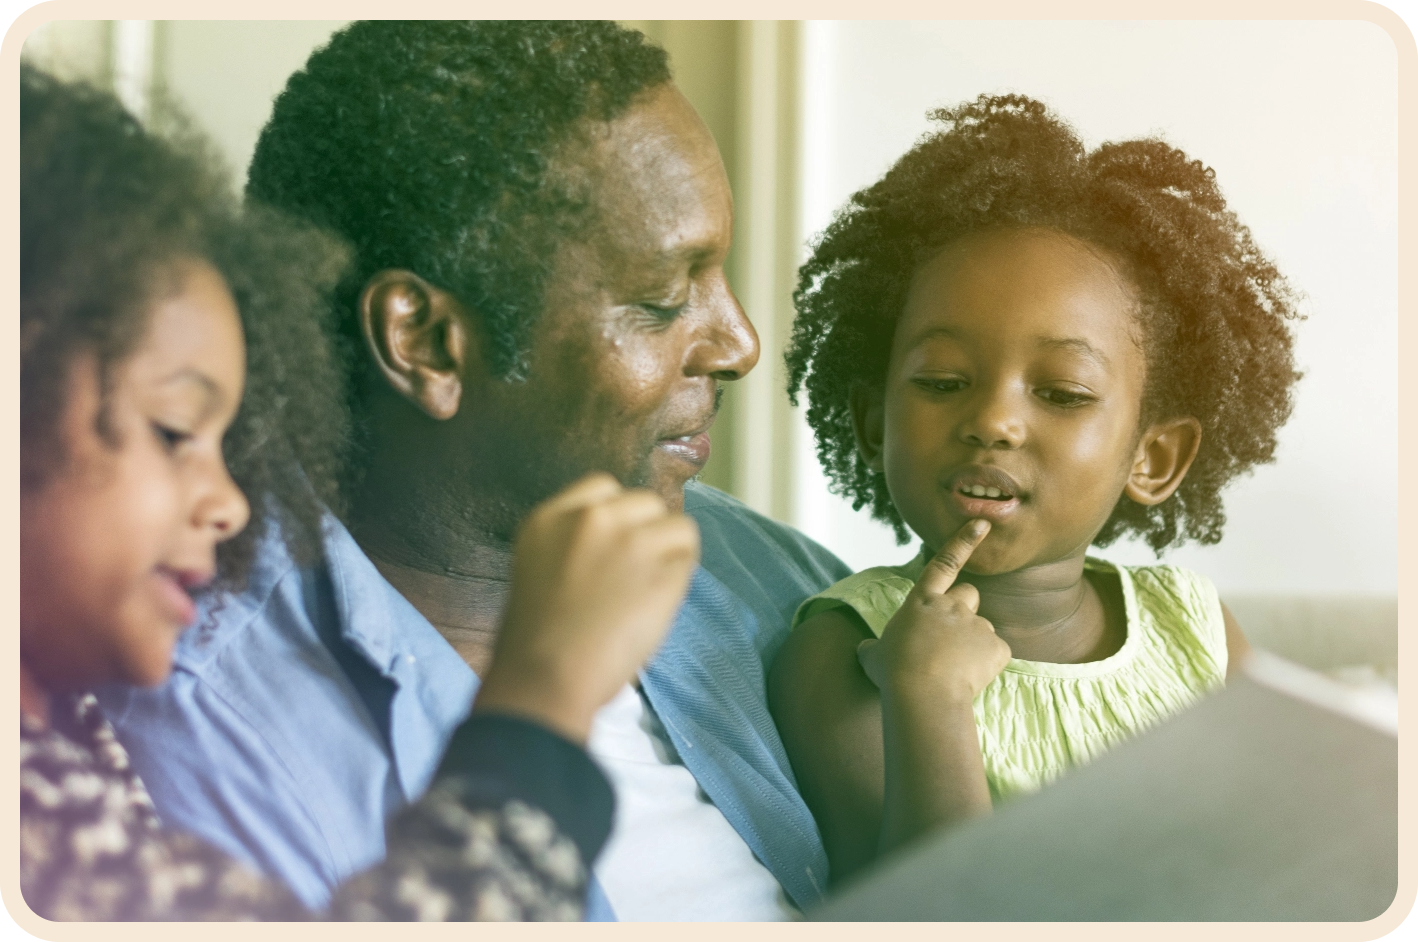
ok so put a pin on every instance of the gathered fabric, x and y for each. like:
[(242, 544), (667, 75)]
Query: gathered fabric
[(1036, 719)]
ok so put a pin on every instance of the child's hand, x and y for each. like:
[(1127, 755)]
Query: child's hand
[(598, 574), (936, 645)]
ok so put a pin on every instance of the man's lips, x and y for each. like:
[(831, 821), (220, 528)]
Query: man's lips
[(984, 491), (693, 448)]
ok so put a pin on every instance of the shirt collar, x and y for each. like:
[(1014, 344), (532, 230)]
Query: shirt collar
[(374, 618)]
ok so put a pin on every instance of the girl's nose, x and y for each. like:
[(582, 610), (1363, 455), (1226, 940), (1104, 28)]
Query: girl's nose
[(995, 422), (222, 507)]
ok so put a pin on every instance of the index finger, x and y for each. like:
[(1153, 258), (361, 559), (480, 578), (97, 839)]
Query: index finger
[(594, 488), (939, 574)]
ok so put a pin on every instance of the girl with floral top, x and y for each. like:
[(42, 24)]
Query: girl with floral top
[(162, 332)]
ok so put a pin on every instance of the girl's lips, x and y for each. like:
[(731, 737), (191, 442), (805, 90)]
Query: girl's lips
[(172, 586), (984, 478), (995, 511), (693, 449)]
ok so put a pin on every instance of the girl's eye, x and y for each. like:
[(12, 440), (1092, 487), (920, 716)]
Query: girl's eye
[(1065, 397), (169, 438), (940, 384)]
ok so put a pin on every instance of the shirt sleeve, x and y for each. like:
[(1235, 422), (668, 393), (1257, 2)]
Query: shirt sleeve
[(479, 846), (493, 758), (507, 832)]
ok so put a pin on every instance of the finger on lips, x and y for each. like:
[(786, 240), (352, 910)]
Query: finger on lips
[(939, 574)]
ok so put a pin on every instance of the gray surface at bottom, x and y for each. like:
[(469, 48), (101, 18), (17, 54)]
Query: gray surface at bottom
[(1250, 806)]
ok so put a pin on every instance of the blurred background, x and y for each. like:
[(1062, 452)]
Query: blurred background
[(1298, 119)]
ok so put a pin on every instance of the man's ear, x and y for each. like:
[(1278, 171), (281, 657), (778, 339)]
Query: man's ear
[(419, 336), (868, 423), (1164, 455)]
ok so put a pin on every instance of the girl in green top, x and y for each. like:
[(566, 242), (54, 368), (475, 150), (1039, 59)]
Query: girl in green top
[(1019, 349)]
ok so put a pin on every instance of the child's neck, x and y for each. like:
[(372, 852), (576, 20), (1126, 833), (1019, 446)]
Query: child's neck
[(1051, 613)]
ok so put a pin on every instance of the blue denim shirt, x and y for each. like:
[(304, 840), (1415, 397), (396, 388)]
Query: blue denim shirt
[(305, 710)]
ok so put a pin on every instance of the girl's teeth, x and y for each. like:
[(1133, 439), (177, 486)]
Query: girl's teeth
[(979, 490)]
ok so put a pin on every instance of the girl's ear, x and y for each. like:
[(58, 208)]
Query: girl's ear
[(419, 337), (1164, 454), (869, 424)]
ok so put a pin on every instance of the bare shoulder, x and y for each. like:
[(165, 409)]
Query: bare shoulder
[(823, 649), (829, 715)]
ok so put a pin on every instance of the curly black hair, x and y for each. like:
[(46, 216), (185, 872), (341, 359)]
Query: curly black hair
[(106, 208), (433, 146), (1214, 310)]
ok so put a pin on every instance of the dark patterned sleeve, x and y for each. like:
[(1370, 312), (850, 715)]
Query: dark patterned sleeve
[(504, 834)]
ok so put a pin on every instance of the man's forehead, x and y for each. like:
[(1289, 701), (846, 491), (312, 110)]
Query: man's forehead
[(657, 179)]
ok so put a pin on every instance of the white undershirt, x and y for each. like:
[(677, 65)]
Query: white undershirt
[(672, 855)]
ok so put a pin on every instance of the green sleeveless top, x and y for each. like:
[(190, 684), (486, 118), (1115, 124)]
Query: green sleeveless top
[(1038, 719)]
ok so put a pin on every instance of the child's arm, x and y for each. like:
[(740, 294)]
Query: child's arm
[(934, 657), (829, 715)]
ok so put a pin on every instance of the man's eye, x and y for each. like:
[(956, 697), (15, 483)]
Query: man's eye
[(662, 313)]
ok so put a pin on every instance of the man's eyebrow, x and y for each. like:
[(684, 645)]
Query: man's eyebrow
[(1077, 344), (689, 251)]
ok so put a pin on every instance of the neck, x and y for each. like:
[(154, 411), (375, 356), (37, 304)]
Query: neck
[(1046, 613), (34, 699), (454, 572)]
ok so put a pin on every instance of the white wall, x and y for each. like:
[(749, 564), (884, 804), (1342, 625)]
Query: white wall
[(1299, 121), (72, 49), (226, 73)]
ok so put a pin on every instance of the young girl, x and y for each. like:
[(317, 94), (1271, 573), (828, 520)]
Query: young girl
[(148, 306), (1019, 349)]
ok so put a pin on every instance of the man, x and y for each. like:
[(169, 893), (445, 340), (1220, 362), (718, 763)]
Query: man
[(539, 223)]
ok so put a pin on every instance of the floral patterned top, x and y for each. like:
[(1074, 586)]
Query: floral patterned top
[(503, 834)]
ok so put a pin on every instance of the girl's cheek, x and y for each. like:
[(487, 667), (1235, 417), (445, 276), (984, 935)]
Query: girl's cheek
[(154, 497)]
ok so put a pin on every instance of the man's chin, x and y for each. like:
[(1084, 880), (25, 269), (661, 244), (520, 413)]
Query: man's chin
[(668, 477)]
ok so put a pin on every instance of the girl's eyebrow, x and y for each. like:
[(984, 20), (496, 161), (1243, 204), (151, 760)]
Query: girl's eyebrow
[(211, 392), (934, 332), (1077, 344)]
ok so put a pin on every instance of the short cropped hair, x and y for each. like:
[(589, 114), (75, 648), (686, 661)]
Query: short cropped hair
[(432, 145)]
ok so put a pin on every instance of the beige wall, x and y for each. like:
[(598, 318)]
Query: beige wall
[(73, 49), (226, 73)]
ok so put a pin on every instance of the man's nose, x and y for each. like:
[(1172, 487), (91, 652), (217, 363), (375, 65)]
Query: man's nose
[(995, 419), (728, 345)]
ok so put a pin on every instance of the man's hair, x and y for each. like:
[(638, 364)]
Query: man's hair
[(432, 146), (106, 209), (1214, 309)]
